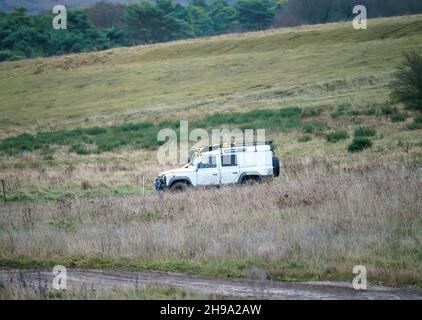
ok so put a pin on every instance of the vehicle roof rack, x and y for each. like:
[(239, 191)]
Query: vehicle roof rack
[(232, 145)]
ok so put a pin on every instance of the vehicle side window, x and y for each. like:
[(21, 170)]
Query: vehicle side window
[(208, 162), (229, 160)]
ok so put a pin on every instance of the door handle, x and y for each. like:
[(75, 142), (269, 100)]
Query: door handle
[(215, 174), (235, 172)]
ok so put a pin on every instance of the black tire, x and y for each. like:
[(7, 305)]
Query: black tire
[(250, 180), (276, 167), (179, 186)]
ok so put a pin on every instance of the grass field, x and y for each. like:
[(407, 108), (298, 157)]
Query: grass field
[(315, 225), (78, 140)]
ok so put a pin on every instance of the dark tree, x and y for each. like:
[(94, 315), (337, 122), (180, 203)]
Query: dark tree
[(297, 12), (407, 86), (255, 14), (108, 24), (151, 23), (200, 21), (223, 16)]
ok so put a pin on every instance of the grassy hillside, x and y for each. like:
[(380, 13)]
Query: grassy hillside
[(300, 66)]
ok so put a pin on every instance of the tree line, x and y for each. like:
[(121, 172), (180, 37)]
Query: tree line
[(107, 25), (297, 12)]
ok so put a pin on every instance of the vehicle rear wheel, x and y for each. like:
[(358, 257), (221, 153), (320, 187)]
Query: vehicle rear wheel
[(276, 167), (179, 186), (250, 180)]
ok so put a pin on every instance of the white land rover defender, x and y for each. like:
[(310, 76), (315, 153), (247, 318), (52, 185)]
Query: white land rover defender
[(222, 165)]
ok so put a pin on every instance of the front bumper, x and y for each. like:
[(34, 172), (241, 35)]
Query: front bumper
[(160, 183)]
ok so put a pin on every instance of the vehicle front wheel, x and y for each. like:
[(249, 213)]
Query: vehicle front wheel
[(179, 186)]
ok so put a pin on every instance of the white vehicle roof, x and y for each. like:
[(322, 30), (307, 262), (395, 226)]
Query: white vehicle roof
[(229, 149)]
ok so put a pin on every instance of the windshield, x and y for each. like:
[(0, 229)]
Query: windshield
[(193, 158)]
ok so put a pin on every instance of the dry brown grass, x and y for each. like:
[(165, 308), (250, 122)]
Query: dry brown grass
[(323, 224), (127, 167)]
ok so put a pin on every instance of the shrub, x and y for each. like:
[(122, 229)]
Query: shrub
[(416, 125), (407, 85), (388, 110), (337, 136), (397, 117), (365, 132), (359, 144), (305, 138)]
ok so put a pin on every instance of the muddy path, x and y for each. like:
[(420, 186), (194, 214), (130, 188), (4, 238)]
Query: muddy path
[(260, 289)]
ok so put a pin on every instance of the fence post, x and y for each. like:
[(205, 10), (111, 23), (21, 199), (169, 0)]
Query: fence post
[(4, 191)]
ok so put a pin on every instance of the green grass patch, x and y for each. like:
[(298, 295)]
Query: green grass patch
[(143, 135), (70, 191), (296, 271)]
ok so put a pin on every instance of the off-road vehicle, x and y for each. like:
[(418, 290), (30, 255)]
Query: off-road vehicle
[(222, 165)]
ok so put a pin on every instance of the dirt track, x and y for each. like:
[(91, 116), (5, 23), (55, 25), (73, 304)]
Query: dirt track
[(261, 289)]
